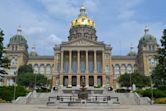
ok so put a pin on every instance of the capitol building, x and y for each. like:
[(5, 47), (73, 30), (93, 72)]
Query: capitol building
[(82, 56)]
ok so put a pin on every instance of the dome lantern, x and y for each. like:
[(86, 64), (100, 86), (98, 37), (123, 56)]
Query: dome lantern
[(82, 19)]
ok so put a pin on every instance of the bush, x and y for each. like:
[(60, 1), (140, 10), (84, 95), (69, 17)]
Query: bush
[(122, 90), (7, 92), (2, 101), (160, 100), (156, 93)]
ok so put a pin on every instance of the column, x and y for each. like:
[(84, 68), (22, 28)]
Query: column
[(104, 80), (70, 62), (78, 62), (61, 80), (78, 80), (103, 62), (95, 69), (61, 62), (87, 67), (78, 68), (87, 80), (69, 80), (95, 80)]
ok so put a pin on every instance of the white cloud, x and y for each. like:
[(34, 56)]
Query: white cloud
[(53, 39), (35, 30)]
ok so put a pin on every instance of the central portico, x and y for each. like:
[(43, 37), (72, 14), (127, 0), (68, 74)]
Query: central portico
[(81, 56)]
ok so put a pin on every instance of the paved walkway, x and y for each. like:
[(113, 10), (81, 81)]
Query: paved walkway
[(16, 107)]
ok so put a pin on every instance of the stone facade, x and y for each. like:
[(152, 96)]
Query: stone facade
[(83, 55)]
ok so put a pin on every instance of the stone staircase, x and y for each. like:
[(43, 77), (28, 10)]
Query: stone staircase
[(33, 98), (131, 98)]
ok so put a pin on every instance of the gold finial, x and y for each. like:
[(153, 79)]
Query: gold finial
[(146, 29), (82, 11), (19, 30)]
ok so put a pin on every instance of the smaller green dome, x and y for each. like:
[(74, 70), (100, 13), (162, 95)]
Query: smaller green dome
[(33, 54), (132, 53), (18, 39), (147, 38)]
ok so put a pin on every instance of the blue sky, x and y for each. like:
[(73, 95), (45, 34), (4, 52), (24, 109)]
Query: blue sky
[(47, 22)]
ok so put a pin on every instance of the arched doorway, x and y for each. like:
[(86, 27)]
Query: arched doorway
[(91, 81), (74, 80), (65, 80), (99, 81)]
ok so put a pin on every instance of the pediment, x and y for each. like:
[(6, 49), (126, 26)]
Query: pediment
[(82, 42)]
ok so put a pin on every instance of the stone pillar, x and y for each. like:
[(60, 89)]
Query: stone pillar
[(103, 62), (95, 80), (61, 72), (61, 80), (95, 69), (78, 80), (78, 62), (61, 62), (69, 80), (87, 80), (78, 68), (87, 67), (70, 62), (104, 80)]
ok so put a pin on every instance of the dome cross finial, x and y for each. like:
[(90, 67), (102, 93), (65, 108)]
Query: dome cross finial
[(146, 29), (19, 30), (82, 11)]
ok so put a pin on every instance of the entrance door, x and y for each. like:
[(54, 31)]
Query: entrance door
[(65, 80), (99, 81), (74, 80), (91, 81)]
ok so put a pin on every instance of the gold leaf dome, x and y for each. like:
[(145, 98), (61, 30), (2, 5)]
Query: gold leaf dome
[(82, 19)]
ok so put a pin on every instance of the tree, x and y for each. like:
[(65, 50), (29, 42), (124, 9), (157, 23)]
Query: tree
[(159, 73), (138, 79), (25, 69), (4, 61), (27, 78)]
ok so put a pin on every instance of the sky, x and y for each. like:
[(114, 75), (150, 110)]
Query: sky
[(47, 22)]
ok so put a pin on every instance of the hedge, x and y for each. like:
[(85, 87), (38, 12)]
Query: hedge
[(7, 92)]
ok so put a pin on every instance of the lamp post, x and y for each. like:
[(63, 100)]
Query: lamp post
[(35, 80), (14, 93)]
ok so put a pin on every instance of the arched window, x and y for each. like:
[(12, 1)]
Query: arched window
[(35, 69), (42, 69), (13, 62), (116, 71), (48, 70), (123, 69), (129, 69)]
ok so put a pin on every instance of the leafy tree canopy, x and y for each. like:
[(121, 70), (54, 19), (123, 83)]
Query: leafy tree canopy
[(159, 73), (4, 61), (25, 69), (138, 79)]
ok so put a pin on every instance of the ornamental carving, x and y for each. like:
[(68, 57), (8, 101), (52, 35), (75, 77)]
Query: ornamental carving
[(81, 43)]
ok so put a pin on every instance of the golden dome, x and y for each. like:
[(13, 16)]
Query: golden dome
[(82, 19)]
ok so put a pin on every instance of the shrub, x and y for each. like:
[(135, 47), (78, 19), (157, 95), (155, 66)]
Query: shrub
[(160, 100), (122, 90), (7, 92), (156, 93)]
